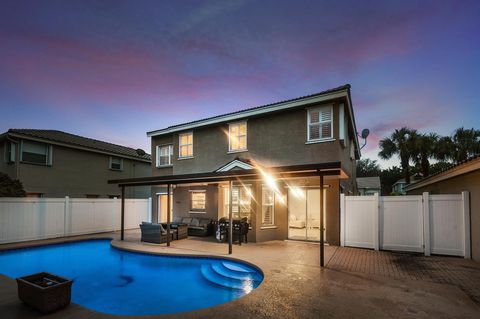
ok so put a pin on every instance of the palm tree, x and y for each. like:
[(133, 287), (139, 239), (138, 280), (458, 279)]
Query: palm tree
[(402, 143), (464, 144), (425, 147)]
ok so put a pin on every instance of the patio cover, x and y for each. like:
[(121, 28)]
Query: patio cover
[(333, 169)]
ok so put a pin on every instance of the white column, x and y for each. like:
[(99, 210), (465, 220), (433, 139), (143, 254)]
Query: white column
[(342, 220), (426, 223), (466, 223), (149, 207), (376, 219)]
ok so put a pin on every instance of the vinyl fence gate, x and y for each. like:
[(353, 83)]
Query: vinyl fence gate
[(431, 224)]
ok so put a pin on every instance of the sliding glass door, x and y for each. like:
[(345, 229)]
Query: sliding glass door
[(304, 213)]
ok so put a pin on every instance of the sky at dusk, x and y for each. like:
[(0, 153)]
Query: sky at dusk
[(113, 70)]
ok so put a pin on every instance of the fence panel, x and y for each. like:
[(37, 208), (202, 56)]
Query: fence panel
[(447, 225), (360, 221), (30, 219), (401, 223), (24, 219)]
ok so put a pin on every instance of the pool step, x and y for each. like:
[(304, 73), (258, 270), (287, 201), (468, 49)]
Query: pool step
[(238, 267), (225, 282), (241, 275)]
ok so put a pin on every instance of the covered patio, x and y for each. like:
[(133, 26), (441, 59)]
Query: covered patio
[(261, 177)]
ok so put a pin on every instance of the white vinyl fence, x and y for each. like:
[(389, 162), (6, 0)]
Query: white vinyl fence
[(24, 219), (438, 224)]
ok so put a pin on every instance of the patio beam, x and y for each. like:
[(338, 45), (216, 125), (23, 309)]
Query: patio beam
[(168, 215), (322, 230), (122, 227)]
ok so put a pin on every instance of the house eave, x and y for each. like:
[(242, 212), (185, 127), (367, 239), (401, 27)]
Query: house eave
[(253, 112)]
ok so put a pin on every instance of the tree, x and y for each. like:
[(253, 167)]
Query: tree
[(401, 143), (368, 168), (388, 177), (462, 145), (424, 150), (10, 187)]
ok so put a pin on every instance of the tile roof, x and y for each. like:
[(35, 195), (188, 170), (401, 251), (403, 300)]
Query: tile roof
[(340, 88), (76, 140), (449, 168)]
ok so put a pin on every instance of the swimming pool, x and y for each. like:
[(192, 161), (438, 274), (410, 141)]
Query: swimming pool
[(113, 281)]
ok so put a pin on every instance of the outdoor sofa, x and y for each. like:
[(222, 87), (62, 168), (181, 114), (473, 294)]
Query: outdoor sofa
[(196, 226), (155, 233)]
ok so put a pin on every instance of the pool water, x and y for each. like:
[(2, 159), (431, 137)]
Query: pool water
[(117, 282)]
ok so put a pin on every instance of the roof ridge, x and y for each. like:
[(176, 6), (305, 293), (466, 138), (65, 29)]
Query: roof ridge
[(97, 143), (346, 86)]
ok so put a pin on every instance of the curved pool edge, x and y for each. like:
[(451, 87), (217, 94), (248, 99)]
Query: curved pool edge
[(115, 244), (49, 242)]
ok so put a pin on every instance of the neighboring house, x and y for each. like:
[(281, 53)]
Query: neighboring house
[(52, 163), (369, 186), (399, 186), (313, 130), (458, 178)]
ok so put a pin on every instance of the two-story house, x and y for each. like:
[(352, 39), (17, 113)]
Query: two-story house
[(52, 163), (289, 136)]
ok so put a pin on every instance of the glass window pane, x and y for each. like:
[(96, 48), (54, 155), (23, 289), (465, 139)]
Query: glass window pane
[(242, 142), (314, 132), (314, 116), (326, 130)]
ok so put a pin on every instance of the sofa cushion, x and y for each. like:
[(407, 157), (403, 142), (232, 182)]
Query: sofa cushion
[(186, 220), (205, 221), (195, 222), (196, 227)]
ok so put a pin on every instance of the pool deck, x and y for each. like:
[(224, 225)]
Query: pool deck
[(294, 286)]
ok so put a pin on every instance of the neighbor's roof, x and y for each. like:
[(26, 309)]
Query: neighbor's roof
[(369, 182), (77, 141), (470, 165)]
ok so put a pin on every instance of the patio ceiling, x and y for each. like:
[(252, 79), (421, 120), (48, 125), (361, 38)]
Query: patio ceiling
[(331, 169)]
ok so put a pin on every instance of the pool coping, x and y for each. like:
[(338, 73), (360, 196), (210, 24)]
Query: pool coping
[(190, 255)]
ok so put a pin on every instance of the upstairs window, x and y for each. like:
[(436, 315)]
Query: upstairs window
[(164, 155), (198, 201), (268, 206), (320, 123), (36, 153), (237, 136), (185, 145), (116, 163)]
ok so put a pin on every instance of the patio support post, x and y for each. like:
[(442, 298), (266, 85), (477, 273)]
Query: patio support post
[(322, 230), (230, 218), (122, 227), (168, 214)]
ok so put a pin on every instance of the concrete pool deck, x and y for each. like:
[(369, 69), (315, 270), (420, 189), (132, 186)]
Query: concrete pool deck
[(294, 285)]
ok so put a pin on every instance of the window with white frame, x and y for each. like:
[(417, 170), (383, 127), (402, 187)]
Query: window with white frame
[(115, 163), (164, 155), (185, 142), (268, 206), (320, 123), (237, 136), (36, 153), (241, 202), (198, 201)]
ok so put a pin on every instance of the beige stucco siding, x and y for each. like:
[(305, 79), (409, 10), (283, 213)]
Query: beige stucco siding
[(468, 182)]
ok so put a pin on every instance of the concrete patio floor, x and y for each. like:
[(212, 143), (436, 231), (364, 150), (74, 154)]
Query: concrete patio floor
[(296, 287)]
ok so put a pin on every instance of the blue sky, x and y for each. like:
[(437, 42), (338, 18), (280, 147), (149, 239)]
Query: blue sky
[(113, 70)]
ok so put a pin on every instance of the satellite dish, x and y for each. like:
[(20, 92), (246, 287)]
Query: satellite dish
[(141, 152), (365, 133)]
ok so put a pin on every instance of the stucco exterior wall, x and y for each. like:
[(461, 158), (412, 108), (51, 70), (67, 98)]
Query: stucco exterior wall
[(76, 173), (468, 182), (273, 140)]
